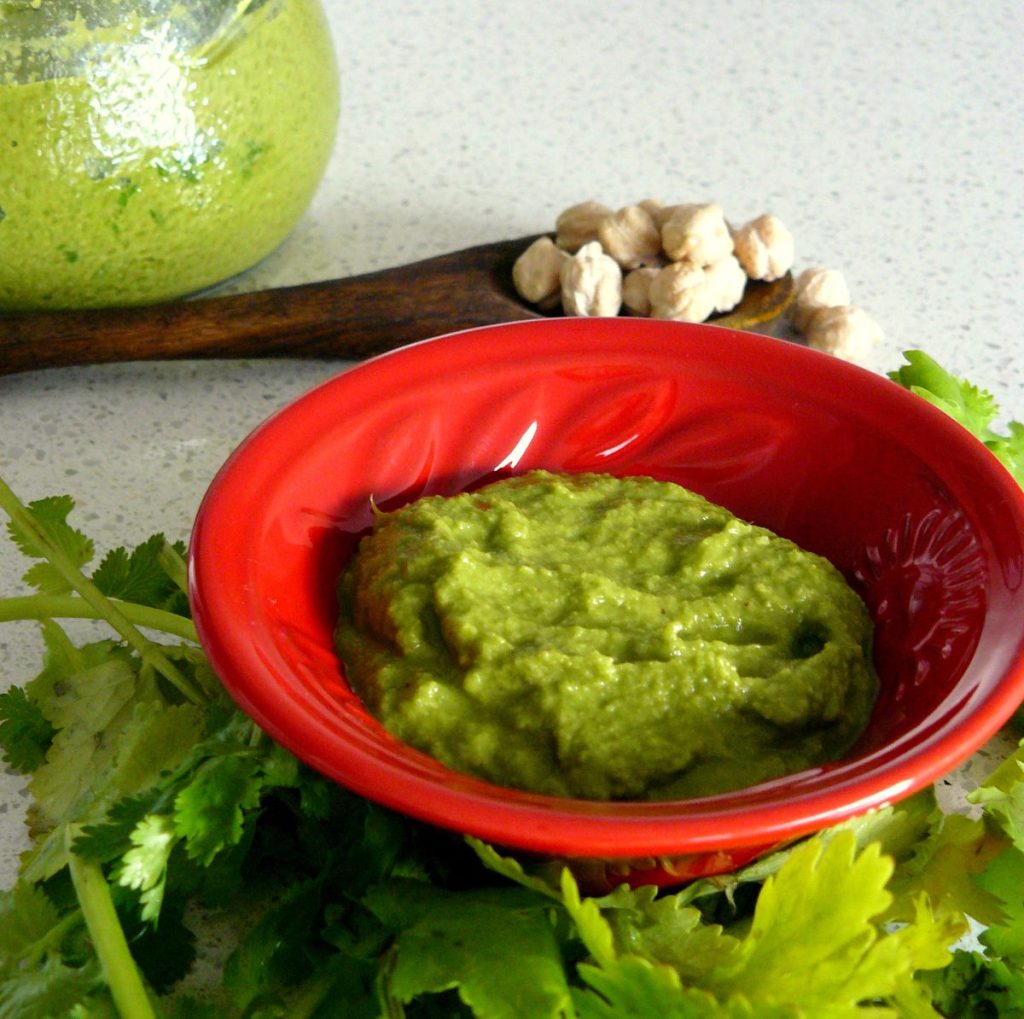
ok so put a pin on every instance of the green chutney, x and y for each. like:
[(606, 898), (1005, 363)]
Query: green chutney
[(149, 148), (603, 638)]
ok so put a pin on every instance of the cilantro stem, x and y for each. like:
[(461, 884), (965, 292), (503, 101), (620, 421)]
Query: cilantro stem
[(119, 969), (35, 953), (70, 606), (173, 565), (104, 608)]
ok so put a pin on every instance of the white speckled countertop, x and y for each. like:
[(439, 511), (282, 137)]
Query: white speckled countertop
[(885, 134)]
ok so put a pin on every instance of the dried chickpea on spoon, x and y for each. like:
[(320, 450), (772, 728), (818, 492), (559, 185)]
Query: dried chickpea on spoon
[(683, 262)]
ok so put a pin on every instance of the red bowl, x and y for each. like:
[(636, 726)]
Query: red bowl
[(918, 515)]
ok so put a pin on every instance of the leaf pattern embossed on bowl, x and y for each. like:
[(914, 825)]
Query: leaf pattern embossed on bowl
[(924, 582)]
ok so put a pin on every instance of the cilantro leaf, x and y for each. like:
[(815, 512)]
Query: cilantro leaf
[(816, 941), (1004, 878), (26, 916), (972, 407), (63, 661), (497, 948), (976, 987), (144, 866), (52, 989), (115, 738), (25, 732), (944, 865), (138, 576), (106, 840), (1001, 796), (634, 988), (899, 831), (79, 750), (664, 929), (276, 953), (209, 811), (50, 515), (813, 931)]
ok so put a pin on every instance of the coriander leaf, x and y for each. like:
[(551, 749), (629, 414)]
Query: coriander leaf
[(107, 839), (510, 868), (346, 989), (279, 951), (974, 408), (45, 531), (1001, 796), (79, 753), (94, 1008), (144, 866), (62, 661), (976, 987), (925, 943), (52, 989), (25, 732), (812, 928), (944, 866), (280, 769), (898, 829), (136, 576), (50, 514), (664, 929), (209, 811), (505, 962), (1010, 449), (26, 916), (114, 741), (1004, 878), (815, 941), (634, 988), (157, 739), (594, 929)]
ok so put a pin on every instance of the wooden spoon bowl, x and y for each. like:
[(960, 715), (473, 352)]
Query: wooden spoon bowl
[(345, 318)]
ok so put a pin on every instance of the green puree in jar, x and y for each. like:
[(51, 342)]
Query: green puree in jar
[(150, 148), (605, 638)]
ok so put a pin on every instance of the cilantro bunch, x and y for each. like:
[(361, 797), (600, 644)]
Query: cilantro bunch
[(182, 864)]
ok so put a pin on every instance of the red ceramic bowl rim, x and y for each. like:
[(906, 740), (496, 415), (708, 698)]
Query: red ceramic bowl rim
[(773, 813)]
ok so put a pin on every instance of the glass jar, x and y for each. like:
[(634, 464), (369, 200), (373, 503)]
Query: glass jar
[(149, 148)]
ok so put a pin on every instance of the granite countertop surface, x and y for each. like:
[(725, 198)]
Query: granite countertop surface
[(886, 135)]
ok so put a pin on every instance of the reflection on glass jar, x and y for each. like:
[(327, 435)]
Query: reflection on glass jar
[(149, 149)]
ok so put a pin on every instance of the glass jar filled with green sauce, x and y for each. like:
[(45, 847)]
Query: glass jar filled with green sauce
[(152, 148)]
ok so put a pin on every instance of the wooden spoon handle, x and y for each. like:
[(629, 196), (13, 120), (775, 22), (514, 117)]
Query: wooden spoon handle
[(347, 318)]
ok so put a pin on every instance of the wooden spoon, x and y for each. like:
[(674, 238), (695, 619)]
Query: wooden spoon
[(346, 318)]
